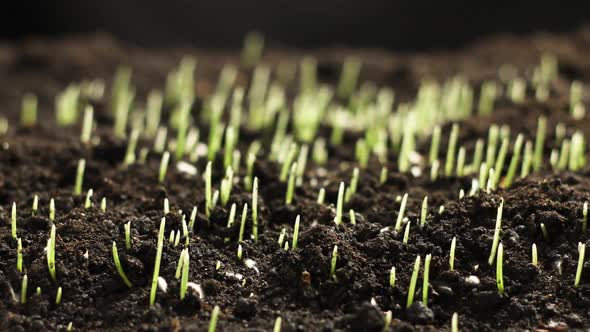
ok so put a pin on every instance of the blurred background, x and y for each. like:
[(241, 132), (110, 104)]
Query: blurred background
[(395, 25)]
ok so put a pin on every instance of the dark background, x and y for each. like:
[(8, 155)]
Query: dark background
[(396, 25)]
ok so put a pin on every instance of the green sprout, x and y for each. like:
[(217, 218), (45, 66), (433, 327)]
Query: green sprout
[(434, 145), (434, 170), (452, 253), (400, 215), (455, 322), (70, 327), (333, 263), (424, 211), (171, 237), (499, 274), (28, 117), (160, 139), (277, 326), (239, 254), (387, 320), (450, 161), (584, 217), (185, 273), (353, 184), (163, 166), (339, 204), (486, 98), (319, 152), (230, 141), (213, 321), (38, 291), (497, 230), (477, 155), (582, 252), (352, 217), (461, 162), (58, 296), (243, 222), (35, 205), (103, 205), (563, 155), (392, 277), (79, 177), (88, 201), (535, 260), (282, 237), (226, 185), (544, 232), (13, 220), (425, 279), (52, 210), (23, 290), (288, 162), (413, 282), (406, 233), (348, 77), (131, 147), (362, 153), (302, 163), (295, 233), (383, 175), (527, 159), (153, 113), (208, 198), (321, 196), (291, 184), (255, 210), (19, 255), (87, 124), (514, 161), (540, 143), (193, 217), (119, 266), (51, 253), (500, 161), (493, 134), (251, 159), (160, 244), (127, 228), (166, 206)]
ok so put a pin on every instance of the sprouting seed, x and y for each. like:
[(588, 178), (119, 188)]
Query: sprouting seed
[(51, 253), (490, 184), (255, 210), (282, 236), (527, 159), (214, 199), (423, 211), (406, 233), (540, 142), (321, 196), (353, 184), (58, 296), (387, 320), (514, 161), (584, 217), (441, 209), (13, 221), (119, 266), (103, 205), (226, 185), (477, 155), (79, 177), (362, 152), (455, 322), (497, 230), (251, 159), (160, 139), (70, 327), (535, 260), (38, 291), (461, 193), (291, 185), (301, 164), (452, 254), (213, 321), (392, 277), (295, 233), (23, 290), (230, 141), (163, 166), (88, 201), (193, 217), (499, 274), (131, 147), (127, 228), (434, 145), (288, 162), (434, 170), (413, 282), (178, 273), (383, 175), (87, 124), (333, 262), (425, 279), (243, 222), (286, 246), (500, 161), (19, 255), (52, 210), (339, 204), (171, 237), (157, 262), (461, 162), (240, 252), (277, 326), (28, 116), (185, 273), (352, 217), (544, 232), (450, 161), (35, 205), (166, 206), (208, 197), (400, 215), (582, 252)]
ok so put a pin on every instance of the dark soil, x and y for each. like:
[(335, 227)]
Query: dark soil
[(295, 285)]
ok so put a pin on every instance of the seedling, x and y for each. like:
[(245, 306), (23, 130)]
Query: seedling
[(353, 184), (19, 255), (79, 177), (178, 273), (540, 143), (29, 110), (333, 263), (131, 147), (400, 215), (52, 210), (461, 162), (544, 232), (383, 175), (434, 145), (163, 166), (352, 216), (38, 291), (277, 326), (392, 277), (213, 321), (339, 204), (450, 161), (535, 260), (87, 123), (166, 206), (58, 296), (497, 230), (23, 290), (103, 205), (157, 263), (185, 273), (88, 201), (240, 252), (321, 196), (452, 253), (499, 274), (527, 159), (362, 153), (35, 205), (584, 217), (406, 233), (500, 161), (425, 279), (119, 266), (455, 322), (291, 185), (424, 211), (208, 197), (13, 221), (387, 320), (226, 185), (477, 155), (295, 233), (153, 113), (581, 252), (434, 170), (243, 222), (160, 139), (290, 156), (349, 77), (493, 134), (255, 210), (413, 282), (51, 253), (514, 161)]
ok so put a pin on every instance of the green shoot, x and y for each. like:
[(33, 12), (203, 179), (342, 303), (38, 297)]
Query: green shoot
[(400, 215), (452, 253), (79, 177), (70, 327), (514, 161), (477, 155), (52, 210), (544, 232), (160, 139), (58, 296), (434, 145), (226, 185), (28, 116), (240, 252), (193, 217), (535, 259), (540, 143), (160, 245), (582, 252), (282, 237), (434, 170), (131, 147), (51, 253), (213, 321), (387, 320), (13, 221), (413, 282), (450, 161), (178, 273), (425, 279), (319, 152), (291, 184), (127, 228), (87, 125), (423, 211), (255, 210), (500, 161), (383, 175), (493, 134), (103, 205), (496, 232), (455, 322), (301, 163), (19, 255), (321, 196), (277, 326), (295, 233), (348, 77), (208, 197), (166, 206), (251, 159), (230, 141), (119, 266), (251, 54), (171, 237), (362, 153), (564, 155), (333, 262), (392, 277), (185, 273), (177, 238), (243, 222), (527, 159), (353, 184), (584, 217), (153, 113), (461, 162), (163, 166), (339, 204), (38, 291), (23, 290), (499, 274), (35, 205), (352, 216), (406, 233), (88, 201)]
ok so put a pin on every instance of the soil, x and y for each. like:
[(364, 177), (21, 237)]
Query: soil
[(295, 285)]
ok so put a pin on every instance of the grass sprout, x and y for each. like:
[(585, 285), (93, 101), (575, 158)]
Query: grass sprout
[(333, 262), (208, 197), (58, 296), (88, 200), (425, 279), (52, 210), (13, 221), (452, 254), (35, 207), (321, 196), (87, 123), (295, 233), (51, 253), (455, 322), (499, 274), (277, 326), (23, 290), (255, 210), (213, 320), (339, 204), (497, 230), (185, 274), (19, 255), (539, 143), (28, 117), (400, 215), (535, 260), (413, 282), (163, 166), (127, 228), (423, 211), (119, 267), (392, 277), (79, 176), (581, 252), (160, 245), (450, 161), (291, 184), (406, 233), (352, 216)]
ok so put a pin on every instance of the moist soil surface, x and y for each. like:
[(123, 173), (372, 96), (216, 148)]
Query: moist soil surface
[(294, 284)]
